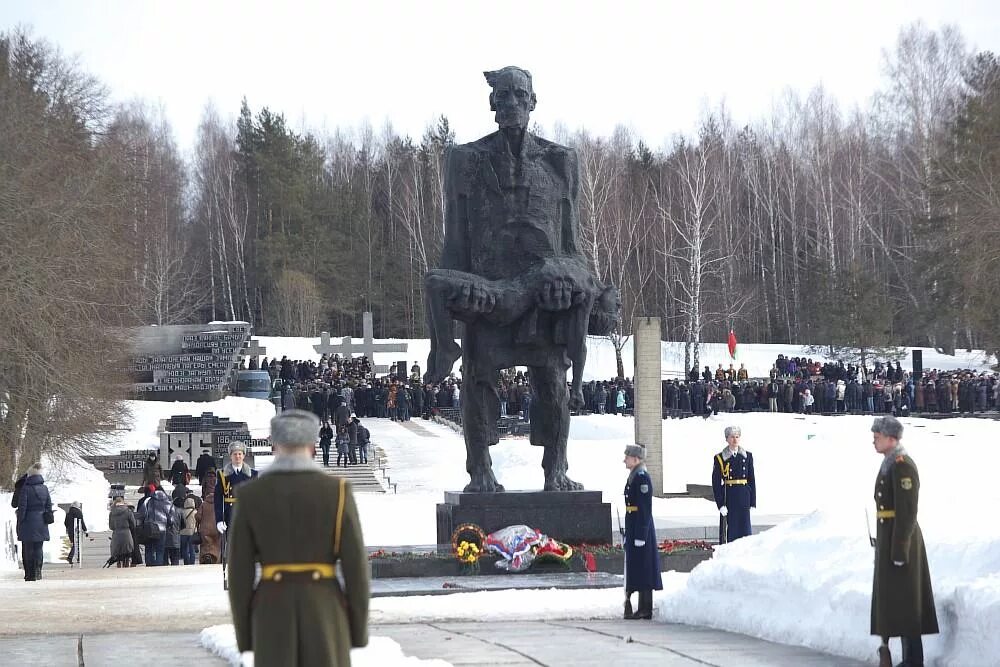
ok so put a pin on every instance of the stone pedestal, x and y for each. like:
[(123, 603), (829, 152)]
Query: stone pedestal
[(575, 517)]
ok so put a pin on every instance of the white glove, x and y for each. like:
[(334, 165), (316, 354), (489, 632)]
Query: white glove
[(898, 563), (724, 511), (640, 543), (221, 527)]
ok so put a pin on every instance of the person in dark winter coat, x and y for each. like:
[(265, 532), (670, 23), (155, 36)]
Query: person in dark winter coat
[(155, 514), (32, 529), (180, 473), (642, 559), (74, 514), (325, 441), (902, 597), (363, 439), (151, 473), (734, 485), (205, 463), (121, 522)]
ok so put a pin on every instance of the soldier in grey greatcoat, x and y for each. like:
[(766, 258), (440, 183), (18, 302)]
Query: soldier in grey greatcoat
[(902, 597)]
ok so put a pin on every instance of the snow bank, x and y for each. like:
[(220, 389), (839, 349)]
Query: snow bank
[(380, 652), (808, 582)]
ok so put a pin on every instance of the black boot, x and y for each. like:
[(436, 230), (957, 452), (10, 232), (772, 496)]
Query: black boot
[(913, 652), (628, 608), (38, 570), (645, 611), (29, 570), (884, 657)]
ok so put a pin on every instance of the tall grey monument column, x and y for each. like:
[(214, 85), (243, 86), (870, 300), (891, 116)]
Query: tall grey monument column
[(649, 395)]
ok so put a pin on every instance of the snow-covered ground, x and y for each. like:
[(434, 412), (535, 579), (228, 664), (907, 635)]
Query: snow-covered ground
[(757, 357), (380, 652), (806, 581)]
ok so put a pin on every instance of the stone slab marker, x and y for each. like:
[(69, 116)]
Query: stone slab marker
[(648, 395)]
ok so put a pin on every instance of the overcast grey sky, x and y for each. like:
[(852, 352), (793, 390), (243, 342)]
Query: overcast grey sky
[(651, 65)]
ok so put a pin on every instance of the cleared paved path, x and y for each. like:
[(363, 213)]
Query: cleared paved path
[(527, 644)]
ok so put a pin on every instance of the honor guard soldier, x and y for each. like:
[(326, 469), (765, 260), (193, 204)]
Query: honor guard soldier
[(300, 525), (232, 475), (902, 598), (735, 487), (642, 558)]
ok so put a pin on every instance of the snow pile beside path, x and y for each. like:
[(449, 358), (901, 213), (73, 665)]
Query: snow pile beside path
[(146, 416), (808, 582), (380, 652)]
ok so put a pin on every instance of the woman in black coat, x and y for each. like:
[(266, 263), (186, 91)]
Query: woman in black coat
[(32, 529)]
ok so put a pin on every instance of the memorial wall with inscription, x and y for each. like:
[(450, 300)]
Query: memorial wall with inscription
[(187, 362), (192, 436)]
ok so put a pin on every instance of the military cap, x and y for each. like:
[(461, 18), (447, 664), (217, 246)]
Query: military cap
[(888, 426), (237, 446), (293, 428), (734, 430), (638, 451)]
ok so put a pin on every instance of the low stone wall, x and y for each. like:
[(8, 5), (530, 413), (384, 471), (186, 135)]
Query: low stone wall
[(438, 565)]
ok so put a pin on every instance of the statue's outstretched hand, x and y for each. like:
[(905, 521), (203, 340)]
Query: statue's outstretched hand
[(473, 298), (558, 295)]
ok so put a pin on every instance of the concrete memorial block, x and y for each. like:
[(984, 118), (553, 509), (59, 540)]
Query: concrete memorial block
[(368, 346), (649, 395), (125, 467), (193, 436), (187, 362)]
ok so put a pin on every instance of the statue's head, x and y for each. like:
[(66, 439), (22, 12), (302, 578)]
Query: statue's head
[(512, 97)]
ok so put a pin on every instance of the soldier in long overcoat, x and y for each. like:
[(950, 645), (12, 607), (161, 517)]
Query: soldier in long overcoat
[(902, 598), (301, 526), (642, 559), (734, 485)]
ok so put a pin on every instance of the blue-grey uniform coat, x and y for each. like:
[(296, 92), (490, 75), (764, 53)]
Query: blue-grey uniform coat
[(642, 563)]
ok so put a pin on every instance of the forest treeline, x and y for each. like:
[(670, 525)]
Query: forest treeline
[(815, 224)]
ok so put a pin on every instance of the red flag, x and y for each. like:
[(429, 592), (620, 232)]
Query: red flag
[(732, 344)]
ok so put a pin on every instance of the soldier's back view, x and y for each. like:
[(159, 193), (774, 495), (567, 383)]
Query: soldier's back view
[(301, 525)]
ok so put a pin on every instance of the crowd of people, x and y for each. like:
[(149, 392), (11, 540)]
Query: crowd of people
[(794, 384)]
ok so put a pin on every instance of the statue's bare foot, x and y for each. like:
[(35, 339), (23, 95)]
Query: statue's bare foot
[(560, 482), (483, 482), (576, 401)]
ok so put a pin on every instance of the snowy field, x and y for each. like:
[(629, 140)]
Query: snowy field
[(807, 581)]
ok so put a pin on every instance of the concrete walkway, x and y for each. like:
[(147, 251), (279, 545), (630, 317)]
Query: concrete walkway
[(527, 644)]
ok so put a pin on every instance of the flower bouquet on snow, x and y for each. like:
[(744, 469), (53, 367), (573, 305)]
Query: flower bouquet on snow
[(520, 546)]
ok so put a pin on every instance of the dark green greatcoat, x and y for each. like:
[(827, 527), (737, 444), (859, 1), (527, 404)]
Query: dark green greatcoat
[(902, 599), (288, 515)]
